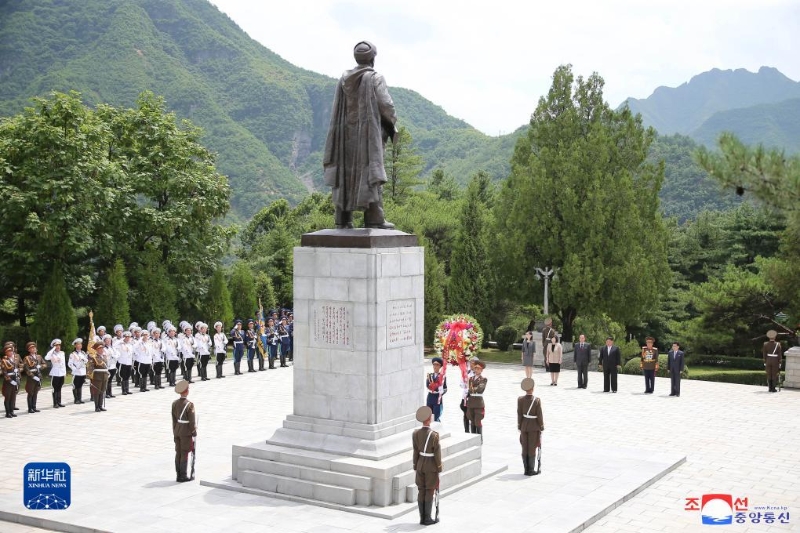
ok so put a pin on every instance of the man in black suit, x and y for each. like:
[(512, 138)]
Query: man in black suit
[(583, 352), (610, 363), (675, 365)]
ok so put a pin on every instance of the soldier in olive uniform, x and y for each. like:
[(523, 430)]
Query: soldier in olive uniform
[(427, 464), (475, 406), (772, 352), (184, 431), (530, 424), (32, 365), (10, 369), (97, 369)]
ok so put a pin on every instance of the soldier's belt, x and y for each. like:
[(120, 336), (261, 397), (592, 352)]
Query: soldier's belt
[(530, 416), (101, 370), (476, 394), (183, 421), (423, 454), (772, 355)]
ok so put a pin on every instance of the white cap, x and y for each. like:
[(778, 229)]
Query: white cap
[(217, 324), (54, 342), (77, 341), (118, 327)]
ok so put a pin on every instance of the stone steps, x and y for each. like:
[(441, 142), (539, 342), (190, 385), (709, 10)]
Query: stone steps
[(449, 478), (298, 487), (305, 473)]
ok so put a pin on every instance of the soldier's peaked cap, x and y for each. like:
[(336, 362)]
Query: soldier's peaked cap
[(424, 413)]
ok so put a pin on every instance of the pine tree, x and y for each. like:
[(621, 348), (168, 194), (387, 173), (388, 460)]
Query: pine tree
[(55, 317), (243, 291), (217, 305), (435, 281), (112, 304), (155, 297), (265, 291), (470, 287)]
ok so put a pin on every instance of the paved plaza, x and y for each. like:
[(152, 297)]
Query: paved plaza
[(615, 458)]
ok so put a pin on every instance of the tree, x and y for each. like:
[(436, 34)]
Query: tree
[(435, 282), (242, 287), (403, 166), (471, 284), (217, 304), (153, 295), (582, 199), (112, 304), (443, 186), (55, 317), (767, 174), (264, 291)]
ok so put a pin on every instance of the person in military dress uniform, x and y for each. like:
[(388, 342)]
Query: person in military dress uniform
[(32, 365), (77, 363), (649, 365), (97, 369), (427, 462), (475, 405), (238, 346), (10, 369), (436, 383), (772, 352), (58, 370), (250, 343), (184, 431), (530, 424)]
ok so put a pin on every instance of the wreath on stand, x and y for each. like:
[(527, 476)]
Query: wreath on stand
[(457, 338)]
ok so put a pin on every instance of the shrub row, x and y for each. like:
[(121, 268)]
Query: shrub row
[(743, 378), (632, 367), (724, 361)]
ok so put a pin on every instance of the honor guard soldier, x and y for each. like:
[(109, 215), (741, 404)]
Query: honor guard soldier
[(476, 408), (220, 348), (32, 365), (530, 424), (111, 361), (238, 346), (202, 344), (58, 370), (184, 431), (272, 342), (158, 358), (97, 368), (772, 352), (125, 359), (170, 347), (145, 357), (77, 363), (10, 369), (250, 343), (427, 465), (283, 335), (436, 383), (186, 349)]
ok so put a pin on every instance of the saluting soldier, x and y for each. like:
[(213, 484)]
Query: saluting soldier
[(10, 368), (186, 349), (97, 368), (772, 352), (530, 424), (476, 409), (32, 365), (58, 370), (238, 346), (427, 465), (202, 344), (184, 431)]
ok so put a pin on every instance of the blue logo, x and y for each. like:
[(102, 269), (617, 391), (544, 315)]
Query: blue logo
[(46, 486)]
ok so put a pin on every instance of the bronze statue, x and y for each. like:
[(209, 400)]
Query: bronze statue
[(362, 120)]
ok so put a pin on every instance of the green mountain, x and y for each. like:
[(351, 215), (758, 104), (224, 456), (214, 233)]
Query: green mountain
[(776, 125), (266, 118), (685, 108)]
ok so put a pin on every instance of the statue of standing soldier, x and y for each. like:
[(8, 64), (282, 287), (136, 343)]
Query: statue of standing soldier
[(362, 120)]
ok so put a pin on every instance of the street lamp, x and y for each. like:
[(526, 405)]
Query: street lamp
[(545, 273)]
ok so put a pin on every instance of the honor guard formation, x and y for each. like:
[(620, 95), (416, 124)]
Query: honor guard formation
[(148, 357)]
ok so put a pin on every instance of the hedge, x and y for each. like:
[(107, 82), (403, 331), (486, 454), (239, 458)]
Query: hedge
[(724, 361), (632, 367), (743, 378)]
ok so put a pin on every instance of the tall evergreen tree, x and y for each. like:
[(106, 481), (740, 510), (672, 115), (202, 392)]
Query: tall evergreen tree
[(242, 287), (55, 317), (155, 296), (112, 304), (403, 166), (264, 291), (217, 305), (471, 276), (435, 282), (582, 199)]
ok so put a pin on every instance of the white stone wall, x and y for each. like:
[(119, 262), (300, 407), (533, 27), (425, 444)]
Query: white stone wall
[(362, 380), (792, 377)]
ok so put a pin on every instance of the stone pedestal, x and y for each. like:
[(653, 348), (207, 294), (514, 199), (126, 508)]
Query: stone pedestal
[(792, 377), (358, 377)]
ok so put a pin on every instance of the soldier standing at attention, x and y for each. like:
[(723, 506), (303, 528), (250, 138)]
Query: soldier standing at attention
[(530, 424), (238, 346), (547, 333), (649, 365), (220, 348), (772, 352), (184, 431), (32, 365), (77, 363), (427, 464), (436, 383), (98, 374), (10, 369), (475, 406), (250, 343), (58, 370)]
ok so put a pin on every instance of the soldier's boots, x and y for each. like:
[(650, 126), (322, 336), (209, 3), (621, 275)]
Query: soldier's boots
[(219, 371), (526, 462), (236, 367), (250, 366), (428, 514), (261, 364), (421, 507), (55, 401), (182, 478), (58, 396), (272, 363)]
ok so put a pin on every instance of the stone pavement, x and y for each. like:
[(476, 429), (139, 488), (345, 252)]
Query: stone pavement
[(737, 439)]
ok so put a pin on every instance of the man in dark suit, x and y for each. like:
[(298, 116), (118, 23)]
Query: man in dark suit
[(583, 352), (610, 363), (675, 365)]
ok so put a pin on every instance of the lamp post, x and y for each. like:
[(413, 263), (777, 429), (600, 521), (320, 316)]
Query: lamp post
[(545, 273)]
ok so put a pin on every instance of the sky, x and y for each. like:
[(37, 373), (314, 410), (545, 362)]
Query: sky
[(488, 62)]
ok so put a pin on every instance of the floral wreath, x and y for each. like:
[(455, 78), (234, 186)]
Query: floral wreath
[(457, 338)]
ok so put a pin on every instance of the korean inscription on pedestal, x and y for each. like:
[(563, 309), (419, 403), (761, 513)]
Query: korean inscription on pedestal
[(400, 323), (332, 325)]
